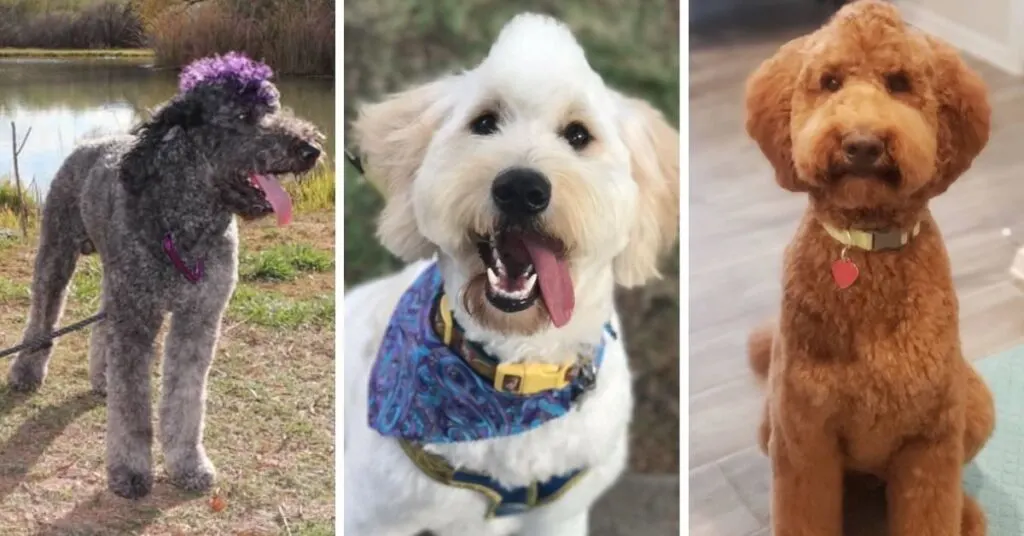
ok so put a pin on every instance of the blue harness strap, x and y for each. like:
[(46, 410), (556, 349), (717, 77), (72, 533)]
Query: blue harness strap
[(502, 501)]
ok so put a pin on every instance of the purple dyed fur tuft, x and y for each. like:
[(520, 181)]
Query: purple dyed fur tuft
[(250, 78)]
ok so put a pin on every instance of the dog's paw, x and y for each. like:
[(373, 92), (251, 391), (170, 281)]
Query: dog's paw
[(129, 483), (195, 474), (25, 378)]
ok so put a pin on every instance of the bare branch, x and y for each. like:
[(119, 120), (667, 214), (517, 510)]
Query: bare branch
[(23, 140), (22, 201)]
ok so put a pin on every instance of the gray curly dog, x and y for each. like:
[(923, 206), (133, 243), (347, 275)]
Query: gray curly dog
[(159, 207)]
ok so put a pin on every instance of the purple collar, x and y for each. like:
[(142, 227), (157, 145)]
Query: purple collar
[(421, 390), (192, 275)]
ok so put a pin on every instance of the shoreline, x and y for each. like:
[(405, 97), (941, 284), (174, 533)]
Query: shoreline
[(123, 54), (76, 53)]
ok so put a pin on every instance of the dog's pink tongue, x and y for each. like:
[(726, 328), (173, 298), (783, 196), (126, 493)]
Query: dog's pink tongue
[(555, 281), (277, 197)]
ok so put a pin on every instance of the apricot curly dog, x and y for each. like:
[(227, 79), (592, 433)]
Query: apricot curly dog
[(864, 370)]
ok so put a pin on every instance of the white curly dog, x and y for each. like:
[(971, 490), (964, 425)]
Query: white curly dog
[(486, 388)]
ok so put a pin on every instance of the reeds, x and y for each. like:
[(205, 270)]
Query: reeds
[(69, 24), (295, 36)]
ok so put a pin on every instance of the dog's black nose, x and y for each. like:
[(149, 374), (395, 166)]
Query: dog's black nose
[(309, 152), (521, 192), (863, 149)]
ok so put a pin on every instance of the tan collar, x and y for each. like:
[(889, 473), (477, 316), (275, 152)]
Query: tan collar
[(872, 240)]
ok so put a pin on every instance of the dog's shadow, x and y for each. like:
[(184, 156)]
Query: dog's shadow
[(26, 445), (104, 513), (20, 453), (864, 510)]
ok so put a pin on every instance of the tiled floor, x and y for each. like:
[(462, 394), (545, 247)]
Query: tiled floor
[(740, 221)]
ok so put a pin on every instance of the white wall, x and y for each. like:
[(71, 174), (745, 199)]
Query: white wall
[(990, 30)]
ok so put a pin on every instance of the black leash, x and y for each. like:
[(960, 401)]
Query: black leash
[(45, 341), (355, 161)]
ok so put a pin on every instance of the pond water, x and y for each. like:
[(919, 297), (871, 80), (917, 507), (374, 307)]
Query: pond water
[(65, 102)]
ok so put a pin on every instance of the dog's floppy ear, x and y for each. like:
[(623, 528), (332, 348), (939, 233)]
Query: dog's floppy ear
[(140, 165), (769, 101), (392, 137), (964, 115), (654, 161)]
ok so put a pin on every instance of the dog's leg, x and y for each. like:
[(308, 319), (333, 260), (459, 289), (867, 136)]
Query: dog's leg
[(98, 359), (980, 416), (59, 247), (188, 352), (129, 335), (764, 431), (98, 354), (974, 523), (807, 489), (924, 491)]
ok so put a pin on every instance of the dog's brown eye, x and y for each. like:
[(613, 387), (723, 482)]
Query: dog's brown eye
[(485, 124), (831, 82), (897, 83), (577, 135)]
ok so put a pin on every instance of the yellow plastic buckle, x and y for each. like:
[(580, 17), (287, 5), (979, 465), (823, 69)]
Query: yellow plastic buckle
[(446, 318), (531, 378)]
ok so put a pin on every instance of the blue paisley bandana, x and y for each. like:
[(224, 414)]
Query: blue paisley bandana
[(421, 391)]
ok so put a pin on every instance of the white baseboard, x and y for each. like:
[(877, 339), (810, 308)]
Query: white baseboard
[(1001, 55), (1017, 270)]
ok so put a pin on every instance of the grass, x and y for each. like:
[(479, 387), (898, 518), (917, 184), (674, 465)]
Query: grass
[(120, 53), (12, 199), (8, 219), (314, 192), (273, 311), (11, 202), (390, 44), (284, 263), (270, 420)]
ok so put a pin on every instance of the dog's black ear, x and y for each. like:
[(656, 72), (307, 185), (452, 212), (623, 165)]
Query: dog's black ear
[(185, 113), (142, 163)]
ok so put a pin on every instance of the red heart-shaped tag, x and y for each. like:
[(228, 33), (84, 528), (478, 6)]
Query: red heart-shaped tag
[(844, 272)]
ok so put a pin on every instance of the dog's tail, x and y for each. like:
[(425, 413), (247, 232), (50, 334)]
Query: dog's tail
[(759, 349)]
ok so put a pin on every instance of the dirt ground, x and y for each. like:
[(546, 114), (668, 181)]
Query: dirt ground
[(270, 410)]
